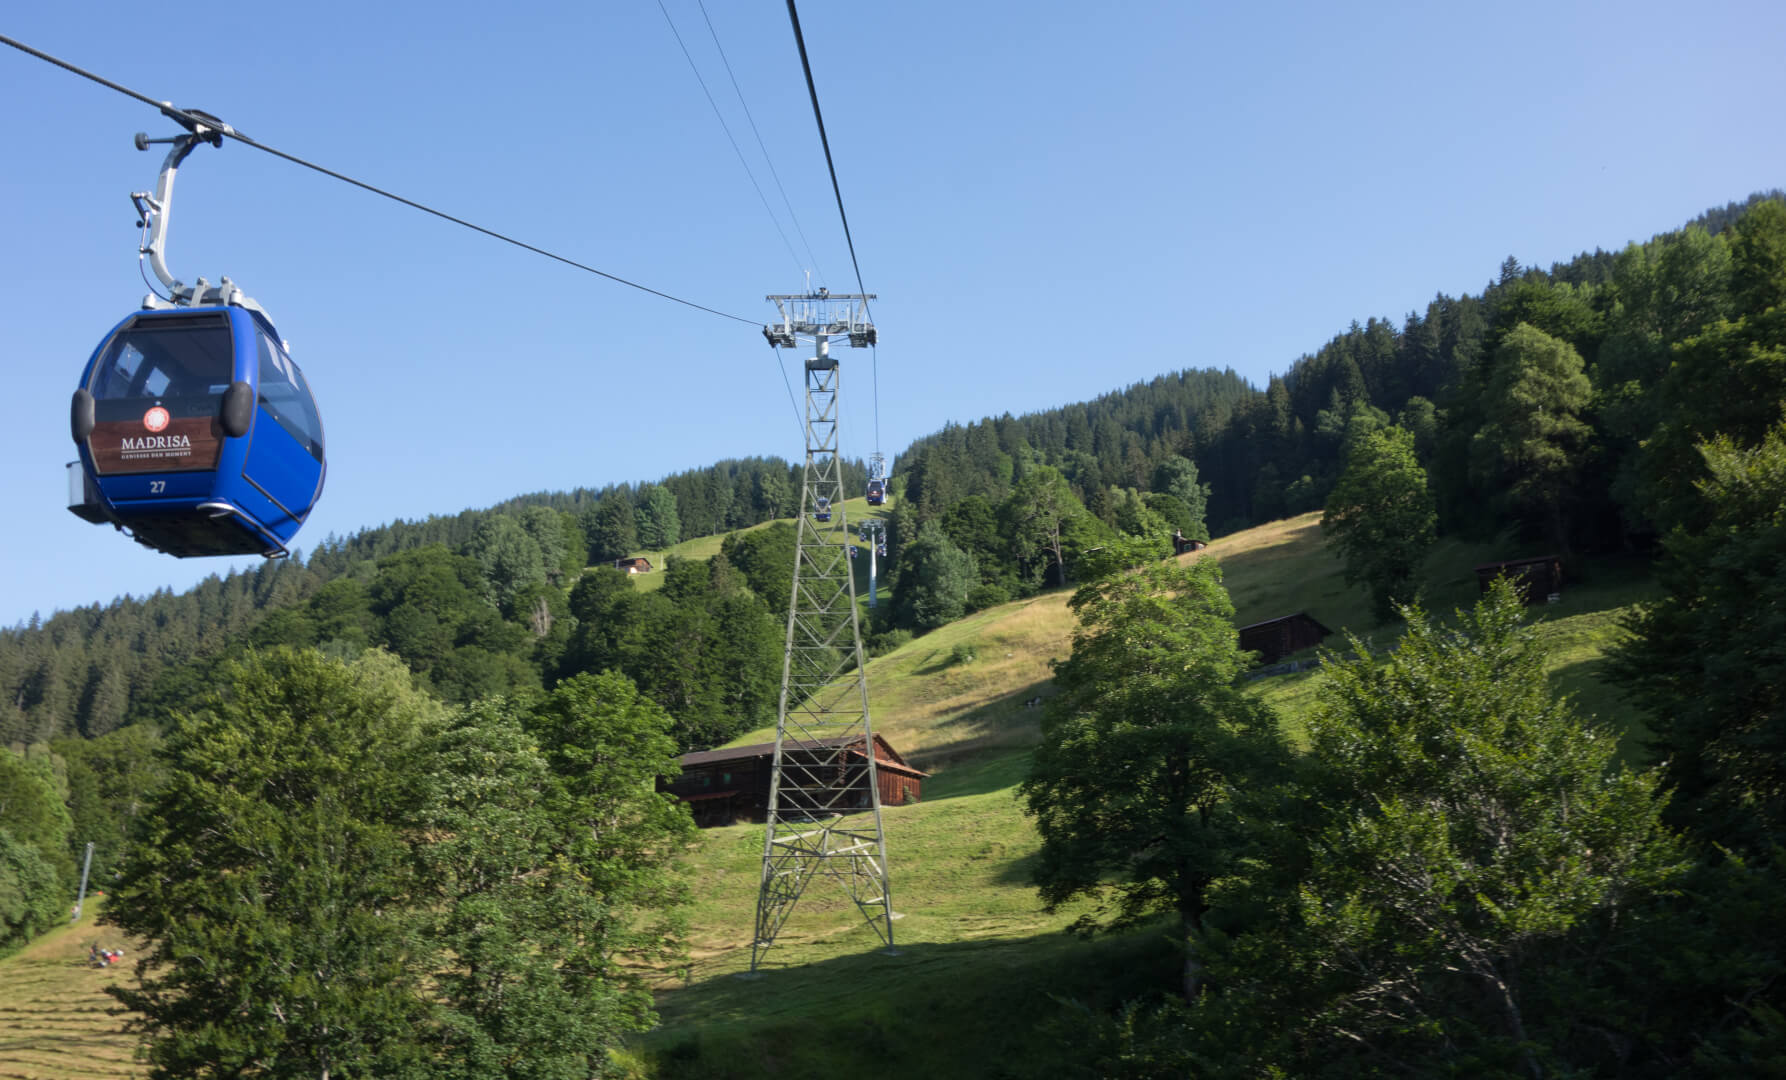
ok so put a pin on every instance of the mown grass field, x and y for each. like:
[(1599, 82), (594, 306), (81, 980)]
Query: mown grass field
[(55, 1017), (982, 971)]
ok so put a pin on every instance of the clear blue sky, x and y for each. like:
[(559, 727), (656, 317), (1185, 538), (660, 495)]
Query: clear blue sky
[(1052, 200)]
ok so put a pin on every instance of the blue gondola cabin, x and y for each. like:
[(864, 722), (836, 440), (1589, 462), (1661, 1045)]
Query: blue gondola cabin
[(197, 434)]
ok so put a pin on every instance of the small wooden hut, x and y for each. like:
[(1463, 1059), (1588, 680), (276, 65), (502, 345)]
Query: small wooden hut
[(1182, 544), (1537, 578), (1277, 638), (724, 786)]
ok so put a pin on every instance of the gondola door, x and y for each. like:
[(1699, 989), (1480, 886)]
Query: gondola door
[(284, 464)]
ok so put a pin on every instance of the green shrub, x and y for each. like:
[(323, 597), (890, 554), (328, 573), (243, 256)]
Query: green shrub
[(885, 642)]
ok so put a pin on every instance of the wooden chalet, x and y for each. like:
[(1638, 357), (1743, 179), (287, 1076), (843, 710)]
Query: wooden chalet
[(1182, 544), (639, 565), (1277, 638), (1537, 579), (725, 786)]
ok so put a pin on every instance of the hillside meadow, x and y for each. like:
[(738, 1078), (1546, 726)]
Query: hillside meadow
[(982, 974), (982, 969)]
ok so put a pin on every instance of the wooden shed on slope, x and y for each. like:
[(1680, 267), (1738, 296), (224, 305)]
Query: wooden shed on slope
[(1537, 578), (1182, 544), (724, 786), (637, 565), (1277, 638)]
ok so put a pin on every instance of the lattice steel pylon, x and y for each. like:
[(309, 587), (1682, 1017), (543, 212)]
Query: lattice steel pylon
[(824, 815)]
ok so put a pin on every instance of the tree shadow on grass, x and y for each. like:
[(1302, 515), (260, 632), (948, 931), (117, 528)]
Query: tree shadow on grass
[(935, 662), (994, 1007), (987, 747), (1596, 697)]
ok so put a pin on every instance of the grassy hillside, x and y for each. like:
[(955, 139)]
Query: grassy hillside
[(706, 547), (55, 1022), (981, 965), (981, 969)]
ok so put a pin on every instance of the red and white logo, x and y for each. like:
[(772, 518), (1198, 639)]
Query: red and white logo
[(155, 419)]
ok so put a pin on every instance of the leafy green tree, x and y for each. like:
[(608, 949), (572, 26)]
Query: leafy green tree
[(771, 495), (1664, 292), (1423, 420), (685, 580), (553, 849), (31, 894), (601, 602), (932, 581), (33, 812), (562, 548), (510, 557), (1381, 517), (1730, 379), (611, 529), (1532, 442), (109, 782), (1172, 512), (1141, 750), (1468, 824), (1559, 309), (471, 672), (1135, 518), (341, 613), (36, 867), (1177, 477), (269, 875), (1758, 258), (337, 879), (766, 559), (1706, 660), (659, 524), (972, 526), (708, 661), (432, 609), (1038, 517), (745, 654)]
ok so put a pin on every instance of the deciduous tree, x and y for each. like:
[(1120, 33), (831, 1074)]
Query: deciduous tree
[(336, 879), (1141, 750), (1532, 441), (270, 877), (1707, 659), (932, 581), (552, 862), (1381, 517), (1468, 823), (659, 524)]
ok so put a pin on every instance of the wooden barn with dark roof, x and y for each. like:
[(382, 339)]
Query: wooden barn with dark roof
[(1537, 579), (1277, 638), (732, 784)]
